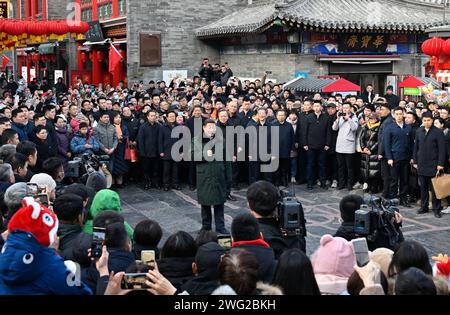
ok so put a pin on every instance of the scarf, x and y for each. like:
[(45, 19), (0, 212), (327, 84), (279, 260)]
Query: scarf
[(371, 126), (258, 242), (118, 131)]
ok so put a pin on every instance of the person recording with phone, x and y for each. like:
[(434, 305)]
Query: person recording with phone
[(346, 124), (262, 200)]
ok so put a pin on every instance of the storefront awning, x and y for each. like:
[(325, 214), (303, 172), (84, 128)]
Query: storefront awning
[(46, 49), (414, 82), (318, 85), (342, 85)]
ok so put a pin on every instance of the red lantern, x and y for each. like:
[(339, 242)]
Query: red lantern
[(433, 46), (100, 56), (14, 28), (79, 27), (61, 28), (446, 47)]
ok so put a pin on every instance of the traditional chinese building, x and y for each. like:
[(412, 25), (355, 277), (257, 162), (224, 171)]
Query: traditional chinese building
[(364, 41), (108, 26), (43, 59)]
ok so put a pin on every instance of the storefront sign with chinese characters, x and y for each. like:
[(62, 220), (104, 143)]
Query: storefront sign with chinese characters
[(4, 9), (363, 43)]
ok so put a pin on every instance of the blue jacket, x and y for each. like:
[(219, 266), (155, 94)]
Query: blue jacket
[(21, 130), (79, 141), (398, 142), (28, 268)]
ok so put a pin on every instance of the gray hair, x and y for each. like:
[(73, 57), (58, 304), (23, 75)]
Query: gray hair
[(6, 172), (14, 196), (6, 151)]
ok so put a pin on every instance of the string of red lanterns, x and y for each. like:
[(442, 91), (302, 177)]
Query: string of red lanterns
[(15, 32)]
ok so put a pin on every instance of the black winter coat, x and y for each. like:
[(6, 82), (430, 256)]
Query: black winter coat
[(245, 118), (286, 139), (370, 165), (132, 125), (165, 141), (266, 260), (301, 127), (272, 235), (317, 133), (385, 122), (177, 270), (147, 140), (429, 151)]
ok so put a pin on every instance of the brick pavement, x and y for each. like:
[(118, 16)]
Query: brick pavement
[(178, 210)]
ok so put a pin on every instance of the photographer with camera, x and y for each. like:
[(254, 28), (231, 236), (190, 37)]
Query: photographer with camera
[(206, 70), (382, 227), (263, 198)]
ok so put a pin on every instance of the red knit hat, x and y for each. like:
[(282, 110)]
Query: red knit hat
[(36, 219)]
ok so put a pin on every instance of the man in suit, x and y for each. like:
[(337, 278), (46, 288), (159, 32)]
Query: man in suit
[(368, 96), (429, 158)]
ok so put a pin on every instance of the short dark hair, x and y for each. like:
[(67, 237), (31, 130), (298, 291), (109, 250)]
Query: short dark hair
[(68, 207), (51, 166), (16, 112), (37, 116), (205, 236), (409, 254), (245, 227), (107, 217), (17, 160), (147, 233), (239, 270), (180, 244), (8, 135), (414, 281), (208, 121), (39, 129), (116, 235), (263, 197), (399, 108), (27, 148), (77, 189), (48, 108), (4, 120), (348, 205), (413, 114)]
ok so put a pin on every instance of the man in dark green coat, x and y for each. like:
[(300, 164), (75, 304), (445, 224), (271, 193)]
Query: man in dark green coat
[(211, 182)]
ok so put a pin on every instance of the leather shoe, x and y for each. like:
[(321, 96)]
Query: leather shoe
[(191, 188), (437, 214), (324, 186), (166, 188), (177, 187), (422, 211), (223, 232), (231, 198), (310, 187)]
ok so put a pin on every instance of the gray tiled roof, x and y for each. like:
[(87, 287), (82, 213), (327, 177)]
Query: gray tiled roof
[(427, 80), (410, 15), (312, 85)]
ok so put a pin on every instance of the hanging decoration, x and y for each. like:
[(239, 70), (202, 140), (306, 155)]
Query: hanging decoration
[(14, 33)]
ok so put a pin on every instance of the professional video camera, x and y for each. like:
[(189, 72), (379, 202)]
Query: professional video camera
[(84, 165), (290, 215), (377, 216)]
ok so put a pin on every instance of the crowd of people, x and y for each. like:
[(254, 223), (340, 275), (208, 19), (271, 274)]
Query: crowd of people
[(379, 144)]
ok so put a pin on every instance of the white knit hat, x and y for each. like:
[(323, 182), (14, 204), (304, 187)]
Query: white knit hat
[(43, 179)]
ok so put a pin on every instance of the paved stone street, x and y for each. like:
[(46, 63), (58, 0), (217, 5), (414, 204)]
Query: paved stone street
[(178, 210)]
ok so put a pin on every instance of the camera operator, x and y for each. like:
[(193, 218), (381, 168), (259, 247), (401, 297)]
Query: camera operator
[(348, 206), (263, 198)]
